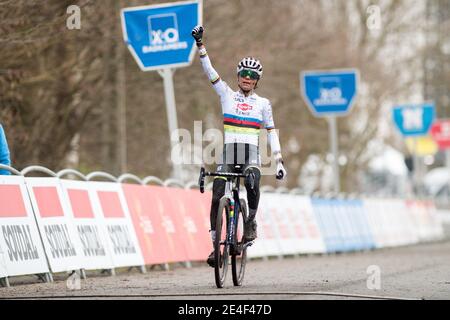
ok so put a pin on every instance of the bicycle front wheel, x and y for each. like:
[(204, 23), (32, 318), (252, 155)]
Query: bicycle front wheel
[(221, 246), (239, 254)]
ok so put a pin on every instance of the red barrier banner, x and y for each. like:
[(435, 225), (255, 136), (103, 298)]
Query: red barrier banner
[(11, 202), (191, 210), (154, 225), (172, 225), (204, 201), (21, 250), (81, 204), (110, 204), (48, 202)]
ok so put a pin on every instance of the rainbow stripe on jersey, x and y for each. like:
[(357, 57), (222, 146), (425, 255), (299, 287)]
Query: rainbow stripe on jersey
[(241, 125)]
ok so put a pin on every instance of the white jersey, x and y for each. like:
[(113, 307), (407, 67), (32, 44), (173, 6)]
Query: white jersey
[(243, 116)]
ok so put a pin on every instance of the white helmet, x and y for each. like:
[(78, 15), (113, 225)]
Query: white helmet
[(250, 63)]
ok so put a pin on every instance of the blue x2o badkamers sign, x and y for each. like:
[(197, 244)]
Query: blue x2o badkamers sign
[(159, 36), (329, 93)]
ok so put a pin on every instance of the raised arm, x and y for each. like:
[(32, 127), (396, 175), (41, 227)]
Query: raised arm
[(220, 86)]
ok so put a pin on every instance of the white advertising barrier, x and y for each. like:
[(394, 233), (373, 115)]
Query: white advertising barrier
[(391, 218), (278, 205), (405, 228), (299, 230), (380, 221), (88, 224), (443, 217), (438, 227), (21, 250), (390, 222), (435, 230), (61, 243), (393, 221), (109, 203), (267, 243), (305, 225), (423, 213)]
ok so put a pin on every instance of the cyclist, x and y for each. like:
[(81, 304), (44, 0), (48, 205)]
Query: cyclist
[(244, 113)]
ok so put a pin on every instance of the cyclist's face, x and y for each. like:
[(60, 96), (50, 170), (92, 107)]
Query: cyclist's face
[(246, 84)]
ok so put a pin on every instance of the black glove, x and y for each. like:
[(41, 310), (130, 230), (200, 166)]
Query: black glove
[(197, 33)]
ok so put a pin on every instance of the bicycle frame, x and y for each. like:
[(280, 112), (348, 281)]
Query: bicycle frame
[(232, 194)]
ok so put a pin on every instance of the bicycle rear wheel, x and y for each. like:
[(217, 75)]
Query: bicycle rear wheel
[(221, 247), (239, 254)]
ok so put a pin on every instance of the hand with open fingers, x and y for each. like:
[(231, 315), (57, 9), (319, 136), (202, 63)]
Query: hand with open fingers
[(197, 33), (281, 172)]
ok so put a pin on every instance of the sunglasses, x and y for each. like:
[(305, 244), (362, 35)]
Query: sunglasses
[(249, 73)]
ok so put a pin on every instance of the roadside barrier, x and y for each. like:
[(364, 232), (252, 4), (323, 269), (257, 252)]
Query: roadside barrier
[(56, 224), (21, 249), (89, 226)]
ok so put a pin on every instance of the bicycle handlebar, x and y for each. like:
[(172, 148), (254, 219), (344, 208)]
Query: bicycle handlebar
[(203, 174), (226, 175)]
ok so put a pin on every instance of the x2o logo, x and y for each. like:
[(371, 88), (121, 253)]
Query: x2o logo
[(163, 34), (330, 93), (169, 36)]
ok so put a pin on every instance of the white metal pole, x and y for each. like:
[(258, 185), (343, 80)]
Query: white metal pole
[(333, 132), (169, 92)]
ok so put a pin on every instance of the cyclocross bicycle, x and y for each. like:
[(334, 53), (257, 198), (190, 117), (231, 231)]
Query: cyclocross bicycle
[(231, 216)]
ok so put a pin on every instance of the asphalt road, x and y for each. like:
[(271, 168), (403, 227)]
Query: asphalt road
[(416, 272)]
